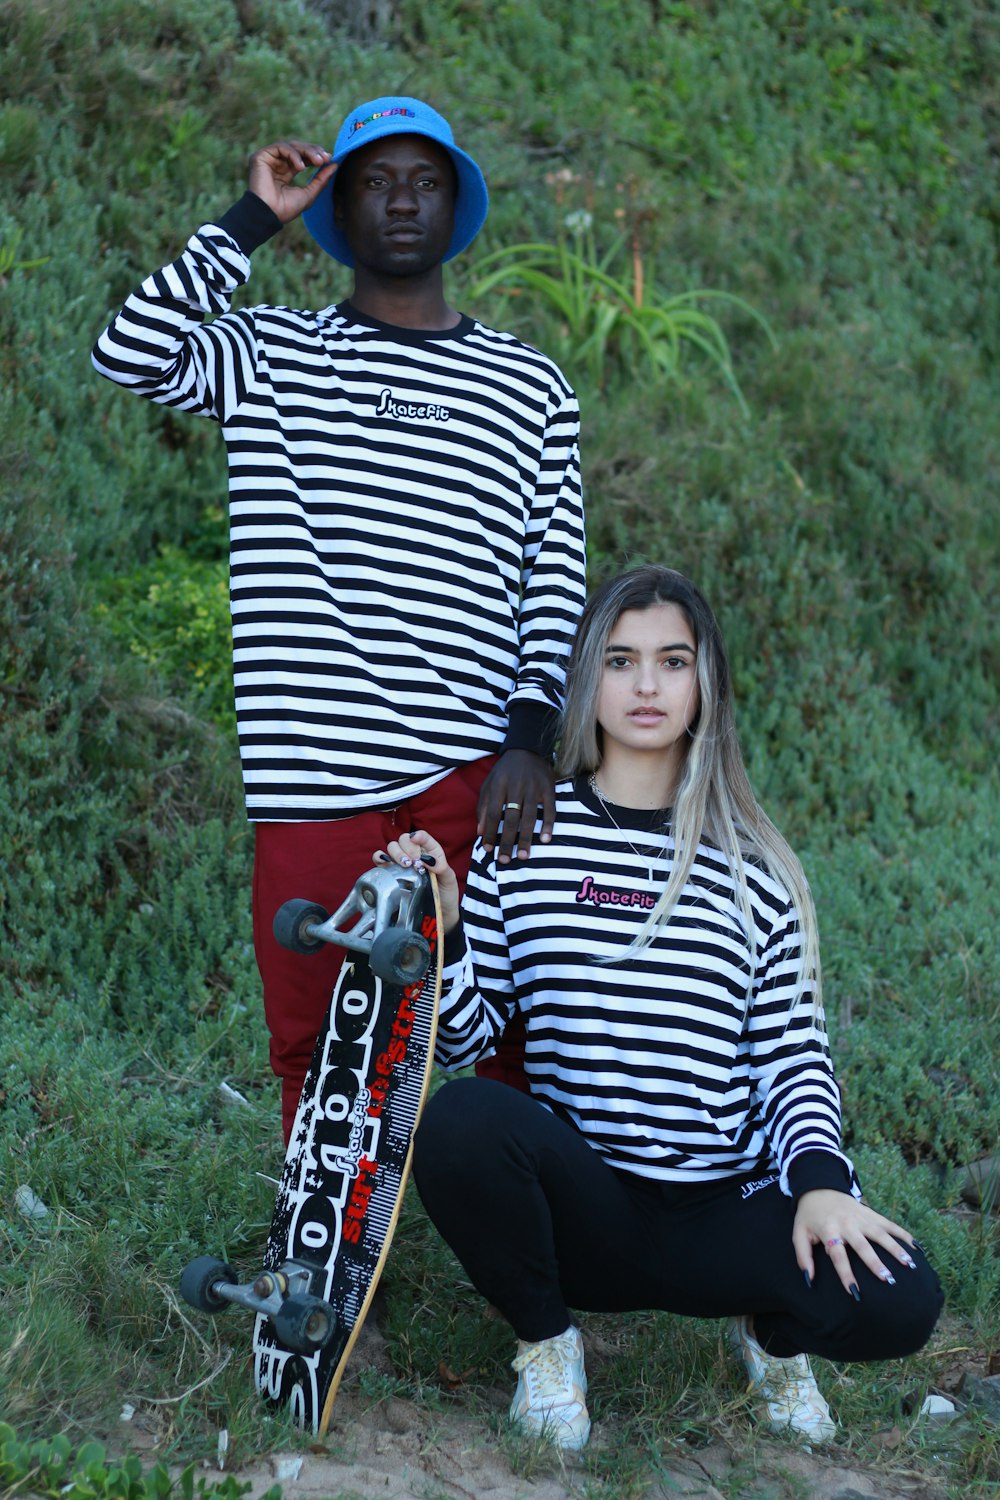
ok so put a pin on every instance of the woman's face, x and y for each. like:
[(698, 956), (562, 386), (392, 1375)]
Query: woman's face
[(648, 696)]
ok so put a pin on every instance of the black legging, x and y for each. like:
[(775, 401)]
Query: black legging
[(541, 1223)]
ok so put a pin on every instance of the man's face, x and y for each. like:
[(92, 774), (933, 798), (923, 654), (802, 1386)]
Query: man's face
[(394, 202)]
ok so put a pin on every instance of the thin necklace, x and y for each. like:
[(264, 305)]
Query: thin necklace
[(649, 857)]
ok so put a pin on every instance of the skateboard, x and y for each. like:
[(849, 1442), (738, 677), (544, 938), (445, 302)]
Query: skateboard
[(348, 1157)]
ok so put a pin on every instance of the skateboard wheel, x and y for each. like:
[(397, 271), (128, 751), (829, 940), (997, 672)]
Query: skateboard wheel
[(293, 921), (198, 1281), (399, 956), (304, 1324)]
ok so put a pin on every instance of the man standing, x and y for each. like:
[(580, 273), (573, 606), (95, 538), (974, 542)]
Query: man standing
[(406, 528)]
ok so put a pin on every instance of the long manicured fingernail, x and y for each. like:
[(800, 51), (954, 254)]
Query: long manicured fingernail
[(406, 861), (888, 1278), (853, 1289), (428, 859), (808, 1280), (382, 859)]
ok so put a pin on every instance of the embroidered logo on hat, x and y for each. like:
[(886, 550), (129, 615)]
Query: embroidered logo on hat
[(381, 115), (398, 114)]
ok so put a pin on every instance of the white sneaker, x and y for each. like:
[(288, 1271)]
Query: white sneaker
[(550, 1400), (788, 1386)]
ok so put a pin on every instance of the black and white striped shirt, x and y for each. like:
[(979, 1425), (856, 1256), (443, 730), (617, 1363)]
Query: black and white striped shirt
[(406, 530), (688, 1062)]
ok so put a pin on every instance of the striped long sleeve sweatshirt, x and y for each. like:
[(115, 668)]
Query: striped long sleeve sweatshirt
[(406, 526), (702, 1057)]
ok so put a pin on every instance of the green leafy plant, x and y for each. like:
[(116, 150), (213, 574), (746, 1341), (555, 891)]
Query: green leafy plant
[(180, 142), (609, 320), (50, 1468), (9, 258)]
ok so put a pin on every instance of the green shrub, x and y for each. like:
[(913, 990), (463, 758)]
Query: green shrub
[(173, 614), (831, 167)]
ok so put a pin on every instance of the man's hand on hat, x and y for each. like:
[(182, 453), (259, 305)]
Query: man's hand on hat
[(274, 168)]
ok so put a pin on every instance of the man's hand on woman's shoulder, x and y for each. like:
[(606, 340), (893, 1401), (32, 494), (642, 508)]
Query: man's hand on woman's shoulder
[(519, 784)]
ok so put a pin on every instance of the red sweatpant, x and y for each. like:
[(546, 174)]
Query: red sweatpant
[(321, 861)]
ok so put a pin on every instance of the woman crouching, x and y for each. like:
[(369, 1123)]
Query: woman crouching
[(679, 1146)]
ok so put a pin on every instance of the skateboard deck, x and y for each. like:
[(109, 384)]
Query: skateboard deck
[(348, 1156)]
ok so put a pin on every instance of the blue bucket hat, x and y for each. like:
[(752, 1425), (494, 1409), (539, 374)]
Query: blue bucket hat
[(400, 116)]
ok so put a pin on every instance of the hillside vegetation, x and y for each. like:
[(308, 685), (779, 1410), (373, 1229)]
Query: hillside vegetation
[(835, 169)]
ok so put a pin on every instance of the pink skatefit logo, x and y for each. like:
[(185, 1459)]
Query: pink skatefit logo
[(610, 895), (382, 114)]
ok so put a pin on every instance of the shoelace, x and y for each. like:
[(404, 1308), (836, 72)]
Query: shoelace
[(788, 1384), (545, 1367)]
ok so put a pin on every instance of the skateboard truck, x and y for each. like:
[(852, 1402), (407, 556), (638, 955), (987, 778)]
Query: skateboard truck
[(377, 914), (303, 1322)]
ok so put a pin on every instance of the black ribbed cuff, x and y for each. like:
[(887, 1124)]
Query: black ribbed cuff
[(250, 222), (818, 1169), (531, 726)]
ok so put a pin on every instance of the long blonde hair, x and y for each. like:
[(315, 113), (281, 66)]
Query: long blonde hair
[(714, 800)]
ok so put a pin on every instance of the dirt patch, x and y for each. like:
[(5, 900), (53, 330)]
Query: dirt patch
[(396, 1449)]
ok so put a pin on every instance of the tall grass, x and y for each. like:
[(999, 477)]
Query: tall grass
[(606, 322)]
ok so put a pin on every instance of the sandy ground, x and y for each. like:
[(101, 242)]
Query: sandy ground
[(396, 1449)]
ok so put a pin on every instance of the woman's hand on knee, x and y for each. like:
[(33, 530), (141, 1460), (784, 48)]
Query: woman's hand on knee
[(837, 1222), (419, 847)]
